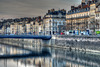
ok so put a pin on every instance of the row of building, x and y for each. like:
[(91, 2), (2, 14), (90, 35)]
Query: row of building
[(84, 17), (48, 25), (24, 25)]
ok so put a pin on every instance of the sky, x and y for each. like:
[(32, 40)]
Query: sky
[(32, 8)]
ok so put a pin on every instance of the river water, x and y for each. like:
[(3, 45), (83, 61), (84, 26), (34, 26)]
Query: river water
[(57, 57)]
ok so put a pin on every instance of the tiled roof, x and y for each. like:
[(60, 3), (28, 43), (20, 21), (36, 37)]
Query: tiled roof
[(86, 6)]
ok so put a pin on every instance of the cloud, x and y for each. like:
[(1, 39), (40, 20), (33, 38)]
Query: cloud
[(23, 8)]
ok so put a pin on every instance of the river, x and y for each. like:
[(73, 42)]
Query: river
[(56, 57)]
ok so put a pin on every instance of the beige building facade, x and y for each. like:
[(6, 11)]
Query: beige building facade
[(82, 18)]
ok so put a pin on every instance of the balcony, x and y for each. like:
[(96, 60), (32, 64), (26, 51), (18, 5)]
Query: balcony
[(77, 17)]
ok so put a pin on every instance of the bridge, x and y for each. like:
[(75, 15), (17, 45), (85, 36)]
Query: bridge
[(44, 53), (27, 37)]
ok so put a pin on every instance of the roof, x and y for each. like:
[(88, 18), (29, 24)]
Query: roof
[(56, 12), (97, 5), (86, 6)]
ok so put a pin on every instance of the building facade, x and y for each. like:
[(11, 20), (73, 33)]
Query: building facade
[(97, 16), (38, 27), (21, 26), (53, 20), (82, 18)]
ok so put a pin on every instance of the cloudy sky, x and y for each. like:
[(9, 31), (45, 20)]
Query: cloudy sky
[(31, 8)]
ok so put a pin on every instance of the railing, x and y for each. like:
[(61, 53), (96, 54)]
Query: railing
[(78, 17), (26, 37)]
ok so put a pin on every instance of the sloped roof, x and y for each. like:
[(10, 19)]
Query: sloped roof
[(86, 6), (57, 12)]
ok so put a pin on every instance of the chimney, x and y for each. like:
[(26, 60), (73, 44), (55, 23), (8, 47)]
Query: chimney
[(48, 11), (39, 18), (62, 10), (82, 5), (79, 6), (72, 7), (89, 2), (52, 10)]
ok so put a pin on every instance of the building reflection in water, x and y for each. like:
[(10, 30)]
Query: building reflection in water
[(59, 58)]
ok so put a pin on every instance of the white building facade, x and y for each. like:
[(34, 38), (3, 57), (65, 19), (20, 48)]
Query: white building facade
[(52, 20)]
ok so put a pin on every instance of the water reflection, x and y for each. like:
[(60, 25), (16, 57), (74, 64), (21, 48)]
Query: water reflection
[(8, 50), (60, 58)]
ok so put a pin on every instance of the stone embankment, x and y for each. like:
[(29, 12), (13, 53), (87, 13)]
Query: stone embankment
[(27, 43), (84, 43), (89, 43)]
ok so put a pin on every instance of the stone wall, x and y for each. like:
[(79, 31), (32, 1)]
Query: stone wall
[(81, 42)]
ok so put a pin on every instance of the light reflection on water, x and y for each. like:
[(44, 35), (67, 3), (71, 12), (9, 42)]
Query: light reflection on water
[(60, 58)]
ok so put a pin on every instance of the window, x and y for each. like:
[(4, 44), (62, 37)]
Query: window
[(92, 7), (97, 15), (59, 23), (98, 8)]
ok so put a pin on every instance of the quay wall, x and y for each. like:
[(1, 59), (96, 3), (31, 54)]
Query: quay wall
[(79, 42), (76, 42)]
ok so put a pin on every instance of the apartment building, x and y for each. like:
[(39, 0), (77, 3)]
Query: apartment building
[(82, 17), (78, 18), (53, 20), (38, 26), (97, 16), (16, 28), (27, 26)]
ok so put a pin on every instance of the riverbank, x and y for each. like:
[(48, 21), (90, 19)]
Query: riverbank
[(75, 43), (83, 43)]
